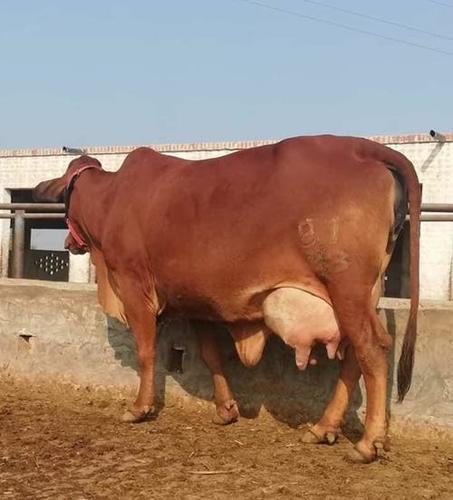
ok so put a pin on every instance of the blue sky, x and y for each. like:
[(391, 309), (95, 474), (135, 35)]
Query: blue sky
[(142, 72)]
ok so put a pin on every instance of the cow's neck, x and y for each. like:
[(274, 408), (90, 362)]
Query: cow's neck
[(90, 204)]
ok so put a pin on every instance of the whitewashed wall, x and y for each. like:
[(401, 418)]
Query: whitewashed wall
[(23, 169), (434, 164)]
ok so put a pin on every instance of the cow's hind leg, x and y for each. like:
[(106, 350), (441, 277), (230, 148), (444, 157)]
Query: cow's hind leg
[(371, 343), (373, 362), (327, 428), (226, 407)]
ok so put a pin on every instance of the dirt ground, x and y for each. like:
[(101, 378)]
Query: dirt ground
[(62, 441)]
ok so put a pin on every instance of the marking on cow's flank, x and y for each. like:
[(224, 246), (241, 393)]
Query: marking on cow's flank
[(335, 227), (307, 232)]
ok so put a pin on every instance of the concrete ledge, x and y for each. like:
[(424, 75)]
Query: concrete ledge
[(59, 331)]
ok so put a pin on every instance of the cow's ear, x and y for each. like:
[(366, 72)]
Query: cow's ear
[(51, 191)]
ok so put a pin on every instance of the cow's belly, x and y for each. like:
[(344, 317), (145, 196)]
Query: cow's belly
[(235, 293), (300, 317), (239, 302), (276, 292), (206, 304)]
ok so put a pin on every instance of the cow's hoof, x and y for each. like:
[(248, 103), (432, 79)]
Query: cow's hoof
[(134, 416), (310, 436), (365, 454), (226, 413), (357, 457)]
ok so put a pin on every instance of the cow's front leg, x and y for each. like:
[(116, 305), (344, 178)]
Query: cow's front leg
[(226, 407), (144, 330), (141, 318)]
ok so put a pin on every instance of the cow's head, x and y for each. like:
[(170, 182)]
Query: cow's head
[(52, 191), (59, 190)]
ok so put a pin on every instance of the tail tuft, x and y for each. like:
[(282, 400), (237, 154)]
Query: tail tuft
[(406, 362)]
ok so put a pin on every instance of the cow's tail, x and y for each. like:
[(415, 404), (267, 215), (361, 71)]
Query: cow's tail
[(406, 361), (404, 167)]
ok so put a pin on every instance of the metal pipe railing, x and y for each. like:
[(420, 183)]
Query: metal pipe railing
[(17, 268), (437, 207), (34, 216), (44, 216), (57, 207), (431, 212), (440, 217)]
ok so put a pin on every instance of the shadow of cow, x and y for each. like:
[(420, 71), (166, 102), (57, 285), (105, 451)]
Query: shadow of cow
[(275, 384)]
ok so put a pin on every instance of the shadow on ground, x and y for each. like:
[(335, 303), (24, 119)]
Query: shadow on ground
[(275, 384)]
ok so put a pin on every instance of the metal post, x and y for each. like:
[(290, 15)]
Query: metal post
[(18, 244)]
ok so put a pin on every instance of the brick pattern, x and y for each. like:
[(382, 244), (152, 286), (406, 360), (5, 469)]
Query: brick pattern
[(205, 146)]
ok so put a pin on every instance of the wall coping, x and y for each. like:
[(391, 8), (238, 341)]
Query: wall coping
[(205, 146), (384, 303), (55, 285)]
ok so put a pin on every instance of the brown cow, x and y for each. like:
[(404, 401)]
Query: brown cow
[(291, 239)]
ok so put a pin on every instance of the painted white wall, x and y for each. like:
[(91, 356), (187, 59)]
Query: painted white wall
[(79, 268), (434, 164)]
